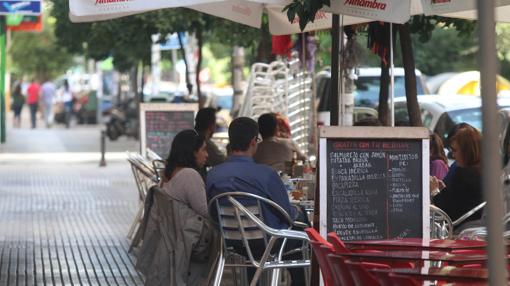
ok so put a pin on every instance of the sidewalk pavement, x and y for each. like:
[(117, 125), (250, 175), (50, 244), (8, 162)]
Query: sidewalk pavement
[(80, 143), (64, 219)]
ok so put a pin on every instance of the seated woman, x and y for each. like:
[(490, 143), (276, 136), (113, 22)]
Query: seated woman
[(438, 160), (179, 243), (183, 182), (463, 191)]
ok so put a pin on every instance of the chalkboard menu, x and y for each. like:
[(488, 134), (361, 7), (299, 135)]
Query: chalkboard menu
[(161, 122), (374, 182)]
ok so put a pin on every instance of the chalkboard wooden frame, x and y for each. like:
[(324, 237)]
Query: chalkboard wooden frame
[(419, 134), (145, 107)]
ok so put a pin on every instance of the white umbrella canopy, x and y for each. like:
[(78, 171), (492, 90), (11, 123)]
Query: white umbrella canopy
[(250, 13), (400, 11), (247, 12)]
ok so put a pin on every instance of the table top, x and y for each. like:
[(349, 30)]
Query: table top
[(418, 244), (450, 258), (447, 273)]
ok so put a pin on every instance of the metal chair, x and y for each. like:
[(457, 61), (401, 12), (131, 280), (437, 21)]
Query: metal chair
[(243, 223), (465, 216), (441, 225), (144, 179)]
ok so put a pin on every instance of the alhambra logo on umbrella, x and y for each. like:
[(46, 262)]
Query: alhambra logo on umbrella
[(100, 2), (372, 4)]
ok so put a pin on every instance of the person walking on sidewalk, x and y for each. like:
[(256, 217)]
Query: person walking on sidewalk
[(33, 100), (67, 98), (18, 100), (48, 91)]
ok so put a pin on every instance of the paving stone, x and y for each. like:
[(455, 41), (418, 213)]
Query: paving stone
[(66, 224)]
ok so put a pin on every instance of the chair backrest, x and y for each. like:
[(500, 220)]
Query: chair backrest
[(321, 252), (337, 243), (465, 216), (441, 225), (243, 222), (341, 273), (402, 280), (361, 275)]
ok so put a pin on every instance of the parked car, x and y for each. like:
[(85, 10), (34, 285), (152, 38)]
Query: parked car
[(367, 89), (440, 113), (168, 92)]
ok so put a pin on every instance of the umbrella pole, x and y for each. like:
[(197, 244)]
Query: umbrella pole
[(491, 163), (342, 73), (392, 80), (335, 39)]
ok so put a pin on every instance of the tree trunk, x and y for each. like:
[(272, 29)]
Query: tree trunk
[(189, 85), (383, 109), (237, 79), (200, 43), (406, 45), (264, 50)]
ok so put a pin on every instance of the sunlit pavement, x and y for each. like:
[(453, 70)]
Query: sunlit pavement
[(64, 219)]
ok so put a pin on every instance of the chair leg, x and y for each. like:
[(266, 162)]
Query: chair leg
[(136, 221), (219, 269), (275, 276)]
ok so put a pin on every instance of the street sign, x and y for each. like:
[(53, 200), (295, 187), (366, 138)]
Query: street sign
[(27, 24), (20, 7)]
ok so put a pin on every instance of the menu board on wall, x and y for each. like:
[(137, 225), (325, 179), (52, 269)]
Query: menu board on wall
[(161, 122), (374, 182)]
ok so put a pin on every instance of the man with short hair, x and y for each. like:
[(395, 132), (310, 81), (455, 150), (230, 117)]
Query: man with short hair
[(205, 125), (240, 173), (274, 151)]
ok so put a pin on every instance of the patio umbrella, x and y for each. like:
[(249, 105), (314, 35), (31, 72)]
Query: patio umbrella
[(400, 11), (247, 12)]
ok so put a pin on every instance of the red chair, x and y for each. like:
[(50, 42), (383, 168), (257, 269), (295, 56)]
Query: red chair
[(340, 248), (360, 274), (321, 248), (337, 243), (402, 280), (341, 273)]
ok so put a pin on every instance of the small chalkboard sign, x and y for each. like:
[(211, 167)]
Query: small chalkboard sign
[(374, 182), (160, 122)]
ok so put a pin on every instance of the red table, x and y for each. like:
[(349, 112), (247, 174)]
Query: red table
[(450, 258), (417, 244), (448, 273)]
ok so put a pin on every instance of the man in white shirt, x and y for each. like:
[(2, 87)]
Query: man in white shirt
[(48, 91)]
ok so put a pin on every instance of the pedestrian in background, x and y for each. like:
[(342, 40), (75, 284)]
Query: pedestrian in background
[(33, 100), (18, 100), (67, 98), (48, 91)]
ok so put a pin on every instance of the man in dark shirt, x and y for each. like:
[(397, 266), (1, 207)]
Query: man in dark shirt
[(205, 125), (239, 173)]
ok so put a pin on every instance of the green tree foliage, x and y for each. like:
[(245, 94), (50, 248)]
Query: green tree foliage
[(38, 54), (128, 39)]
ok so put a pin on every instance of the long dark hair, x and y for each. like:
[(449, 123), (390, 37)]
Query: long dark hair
[(182, 152), (437, 148)]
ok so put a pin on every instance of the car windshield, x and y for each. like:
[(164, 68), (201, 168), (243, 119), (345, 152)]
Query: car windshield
[(472, 116), (367, 90)]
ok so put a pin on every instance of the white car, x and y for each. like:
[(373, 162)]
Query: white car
[(440, 113), (366, 94)]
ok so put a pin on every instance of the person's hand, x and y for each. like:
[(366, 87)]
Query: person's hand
[(435, 185)]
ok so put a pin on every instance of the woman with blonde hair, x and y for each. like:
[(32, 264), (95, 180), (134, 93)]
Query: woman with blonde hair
[(463, 191)]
